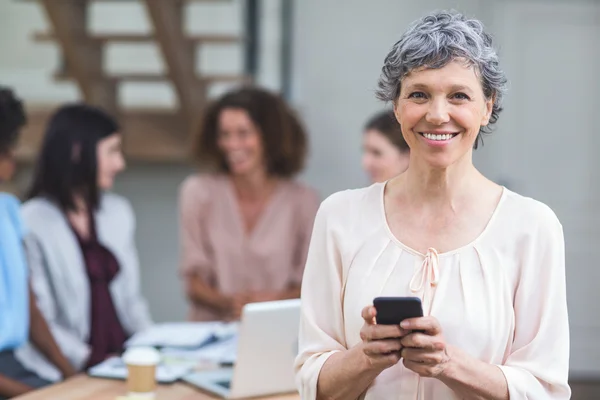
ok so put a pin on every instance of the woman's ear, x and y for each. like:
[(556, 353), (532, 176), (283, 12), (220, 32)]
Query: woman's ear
[(489, 106), (7, 165), (396, 105)]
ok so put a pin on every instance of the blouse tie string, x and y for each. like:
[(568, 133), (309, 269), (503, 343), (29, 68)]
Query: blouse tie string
[(428, 273)]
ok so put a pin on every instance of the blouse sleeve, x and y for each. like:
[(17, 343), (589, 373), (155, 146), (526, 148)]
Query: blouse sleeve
[(309, 204), (538, 365), (192, 210), (321, 322)]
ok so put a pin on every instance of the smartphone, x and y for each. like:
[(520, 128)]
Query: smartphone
[(393, 310)]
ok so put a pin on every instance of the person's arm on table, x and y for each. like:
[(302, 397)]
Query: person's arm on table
[(12, 388), (201, 293), (291, 292), (237, 302), (41, 337)]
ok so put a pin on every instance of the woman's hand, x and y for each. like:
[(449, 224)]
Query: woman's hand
[(68, 372), (426, 352), (382, 344), (238, 301), (10, 388)]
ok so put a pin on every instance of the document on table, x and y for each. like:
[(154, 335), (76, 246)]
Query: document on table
[(188, 335), (115, 368), (183, 346), (218, 352)]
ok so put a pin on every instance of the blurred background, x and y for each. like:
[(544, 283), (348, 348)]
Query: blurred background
[(156, 63)]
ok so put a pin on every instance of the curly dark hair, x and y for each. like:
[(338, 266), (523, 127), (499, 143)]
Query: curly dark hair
[(284, 139), (12, 119)]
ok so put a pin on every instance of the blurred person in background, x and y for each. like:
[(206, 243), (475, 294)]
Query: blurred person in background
[(81, 241), (488, 264), (20, 317), (385, 152), (245, 221)]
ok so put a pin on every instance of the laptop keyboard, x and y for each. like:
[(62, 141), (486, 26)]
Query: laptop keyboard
[(225, 384)]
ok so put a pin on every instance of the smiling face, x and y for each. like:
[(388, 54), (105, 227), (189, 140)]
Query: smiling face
[(240, 141), (441, 111)]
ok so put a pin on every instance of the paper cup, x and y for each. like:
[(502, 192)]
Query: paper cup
[(141, 371)]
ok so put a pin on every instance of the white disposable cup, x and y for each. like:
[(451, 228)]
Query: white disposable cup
[(141, 371)]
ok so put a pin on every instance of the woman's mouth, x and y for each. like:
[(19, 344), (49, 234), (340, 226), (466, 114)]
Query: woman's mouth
[(438, 137)]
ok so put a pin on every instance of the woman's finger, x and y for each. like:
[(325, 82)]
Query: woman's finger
[(422, 356), (368, 314), (429, 325), (382, 347), (378, 332), (419, 368), (423, 341)]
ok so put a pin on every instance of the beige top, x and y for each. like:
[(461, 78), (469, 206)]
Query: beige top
[(501, 298), (215, 243)]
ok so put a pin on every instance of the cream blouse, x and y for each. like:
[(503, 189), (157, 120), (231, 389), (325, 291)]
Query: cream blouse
[(501, 298)]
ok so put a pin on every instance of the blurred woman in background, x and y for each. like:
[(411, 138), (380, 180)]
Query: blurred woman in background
[(386, 153), (245, 223), (20, 317), (81, 246)]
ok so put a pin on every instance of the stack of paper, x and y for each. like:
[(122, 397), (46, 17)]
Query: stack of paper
[(115, 368), (218, 352), (183, 346), (190, 335)]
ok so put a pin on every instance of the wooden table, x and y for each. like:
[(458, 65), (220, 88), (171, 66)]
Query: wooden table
[(83, 387)]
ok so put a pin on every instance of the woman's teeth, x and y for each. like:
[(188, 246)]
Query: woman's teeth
[(432, 136)]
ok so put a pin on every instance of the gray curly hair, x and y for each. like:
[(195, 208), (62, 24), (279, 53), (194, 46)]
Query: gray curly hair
[(436, 40)]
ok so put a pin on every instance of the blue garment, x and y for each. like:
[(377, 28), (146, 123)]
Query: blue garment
[(14, 289)]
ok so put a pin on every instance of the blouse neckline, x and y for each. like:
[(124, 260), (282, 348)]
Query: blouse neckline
[(409, 249)]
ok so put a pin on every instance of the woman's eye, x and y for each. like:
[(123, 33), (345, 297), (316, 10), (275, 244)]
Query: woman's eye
[(417, 95), (460, 96)]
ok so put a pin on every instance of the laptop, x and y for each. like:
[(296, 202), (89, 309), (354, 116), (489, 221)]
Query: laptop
[(267, 347)]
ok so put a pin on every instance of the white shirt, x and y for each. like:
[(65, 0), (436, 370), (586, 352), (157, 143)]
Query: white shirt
[(500, 298)]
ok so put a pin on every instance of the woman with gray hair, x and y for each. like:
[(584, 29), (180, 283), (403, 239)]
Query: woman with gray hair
[(487, 264)]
